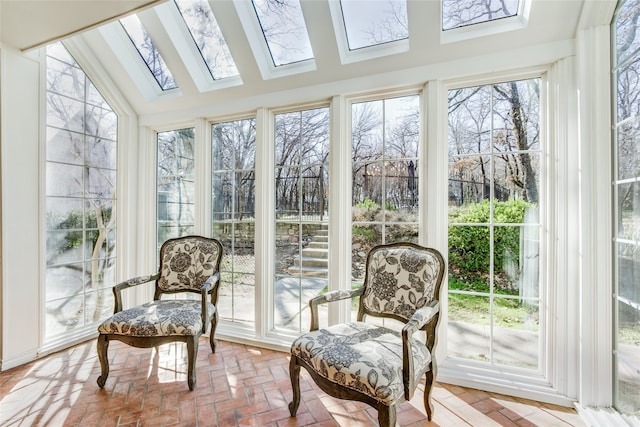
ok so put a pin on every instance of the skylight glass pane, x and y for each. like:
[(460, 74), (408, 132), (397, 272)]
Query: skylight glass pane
[(370, 23), (142, 41), (460, 13), (204, 29), (284, 30)]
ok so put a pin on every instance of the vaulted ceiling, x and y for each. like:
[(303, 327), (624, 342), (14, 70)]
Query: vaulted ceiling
[(92, 26)]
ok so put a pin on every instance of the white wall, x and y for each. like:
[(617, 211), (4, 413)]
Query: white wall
[(20, 89)]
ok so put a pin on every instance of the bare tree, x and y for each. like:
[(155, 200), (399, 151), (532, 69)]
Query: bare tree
[(458, 13), (523, 174)]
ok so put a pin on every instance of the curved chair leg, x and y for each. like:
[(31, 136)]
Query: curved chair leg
[(387, 416), (192, 352), (428, 385), (294, 373), (103, 346), (214, 323)]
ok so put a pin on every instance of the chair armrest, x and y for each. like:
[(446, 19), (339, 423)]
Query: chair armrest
[(207, 287), (211, 282), (117, 289), (420, 318), (329, 297)]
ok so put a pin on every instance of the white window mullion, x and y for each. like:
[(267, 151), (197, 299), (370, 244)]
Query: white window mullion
[(340, 206), (265, 220), (202, 174)]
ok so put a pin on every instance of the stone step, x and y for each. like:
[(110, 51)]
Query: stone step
[(315, 252), (318, 245), (308, 271), (323, 239), (311, 262)]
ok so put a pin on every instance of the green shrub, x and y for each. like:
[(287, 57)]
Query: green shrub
[(469, 245), (367, 204), (367, 233)]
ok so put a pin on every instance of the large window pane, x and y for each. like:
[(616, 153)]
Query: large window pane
[(148, 52), (460, 13), (370, 23), (468, 329), (175, 184), (284, 30), (233, 215), (80, 198), (208, 37), (626, 208), (385, 172), (302, 188), (494, 226)]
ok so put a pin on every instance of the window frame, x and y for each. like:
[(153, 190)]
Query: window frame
[(617, 182), (554, 365), (126, 158), (432, 184)]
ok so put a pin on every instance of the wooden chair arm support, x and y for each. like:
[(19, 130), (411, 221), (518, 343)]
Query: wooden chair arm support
[(208, 287), (329, 297), (419, 319), (117, 289)]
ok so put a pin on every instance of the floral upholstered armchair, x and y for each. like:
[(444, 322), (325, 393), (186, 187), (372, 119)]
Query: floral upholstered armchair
[(187, 264), (370, 363)]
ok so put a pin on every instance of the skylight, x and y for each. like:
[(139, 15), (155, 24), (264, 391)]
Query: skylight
[(148, 52), (204, 29), (370, 23), (460, 13), (283, 26)]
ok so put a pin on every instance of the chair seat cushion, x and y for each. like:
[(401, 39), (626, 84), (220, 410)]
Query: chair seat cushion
[(158, 318), (361, 356)]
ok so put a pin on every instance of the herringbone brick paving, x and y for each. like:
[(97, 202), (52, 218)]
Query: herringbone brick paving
[(239, 385)]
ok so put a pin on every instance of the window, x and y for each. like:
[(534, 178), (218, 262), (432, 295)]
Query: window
[(460, 13), (148, 52), (494, 299), (81, 154), (301, 223), (175, 184), (284, 30), (372, 23), (204, 30), (626, 208), (384, 149), (233, 216)]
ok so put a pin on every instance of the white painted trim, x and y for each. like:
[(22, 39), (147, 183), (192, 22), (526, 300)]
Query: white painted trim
[(596, 317), (505, 60), (264, 230), (202, 176), (562, 229), (606, 417), (433, 194), (146, 212), (340, 239), (504, 381)]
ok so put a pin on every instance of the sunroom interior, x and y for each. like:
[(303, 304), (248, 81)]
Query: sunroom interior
[(301, 133)]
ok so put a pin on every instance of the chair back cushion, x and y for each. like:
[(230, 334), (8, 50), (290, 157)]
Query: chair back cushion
[(401, 278), (187, 262)]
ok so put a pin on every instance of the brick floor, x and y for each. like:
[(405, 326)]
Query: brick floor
[(239, 385)]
